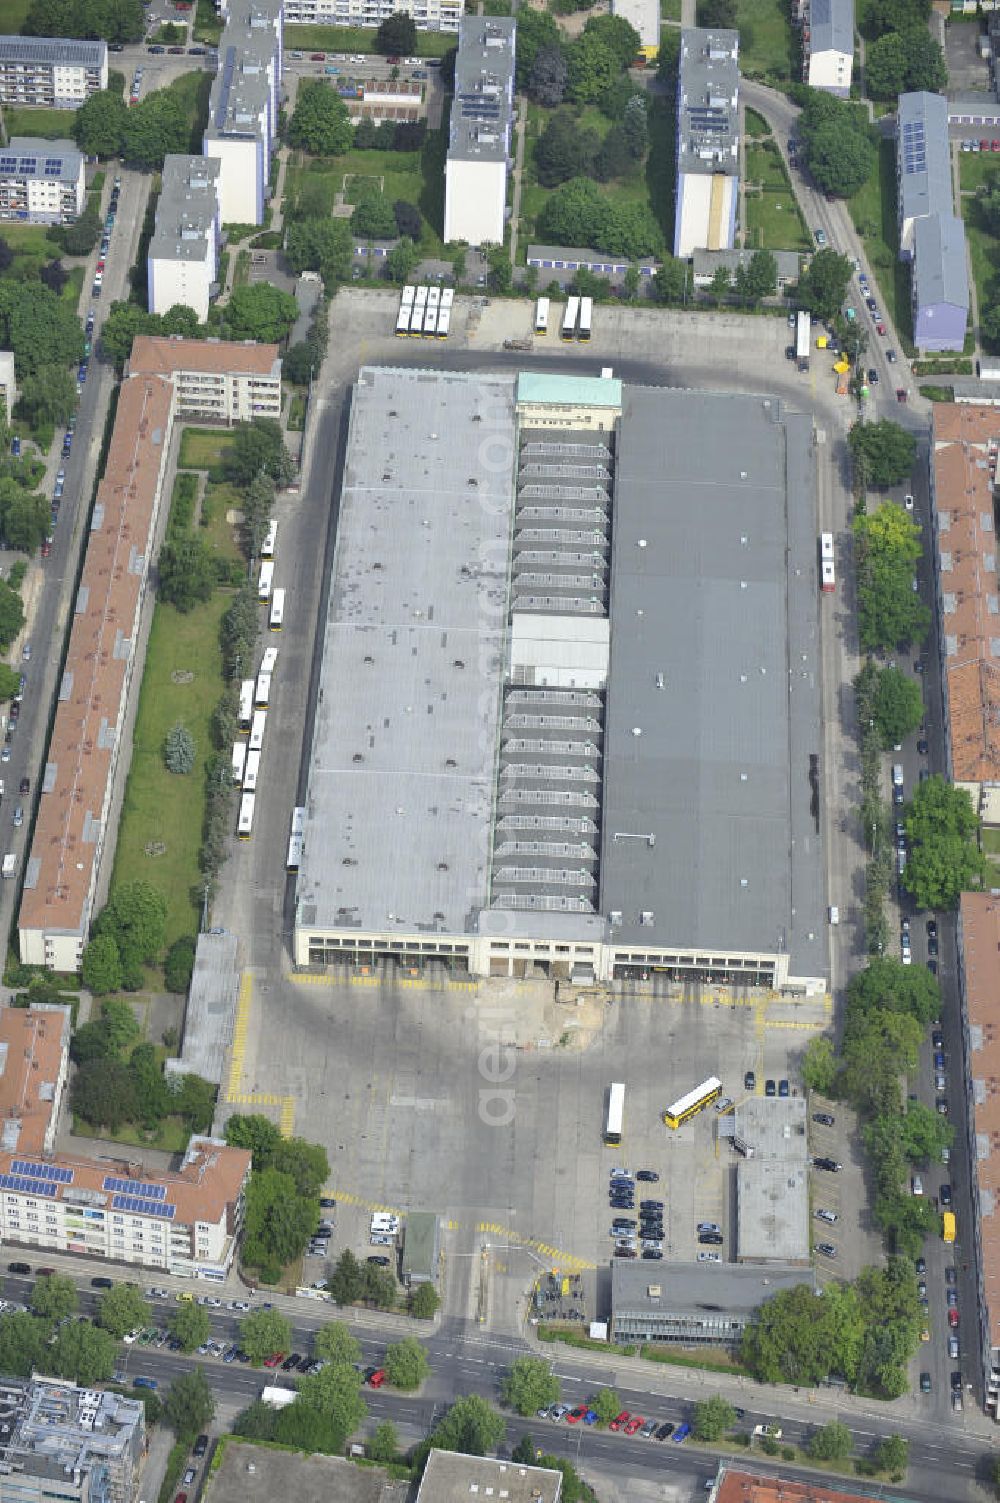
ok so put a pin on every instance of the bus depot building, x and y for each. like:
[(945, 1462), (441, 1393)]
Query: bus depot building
[(568, 718)]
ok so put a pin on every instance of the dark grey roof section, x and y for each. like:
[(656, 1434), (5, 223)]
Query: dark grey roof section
[(705, 263), (484, 89), (708, 85), (710, 836), (421, 1248), (831, 24), (240, 92), (923, 155), (187, 210), (53, 51), (402, 765), (692, 1302), (940, 273), (210, 1015)]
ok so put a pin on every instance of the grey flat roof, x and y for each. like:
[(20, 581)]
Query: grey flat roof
[(31, 156), (775, 1127), (585, 257), (772, 1212), (67, 51), (708, 84), (923, 155), (734, 1287), (940, 271), (452, 1477), (714, 586), (401, 770), (211, 1007), (484, 83), (705, 262), (238, 98), (421, 1245), (832, 26), (188, 208)]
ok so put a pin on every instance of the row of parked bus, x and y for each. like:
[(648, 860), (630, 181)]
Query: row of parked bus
[(578, 318), (265, 581), (425, 312), (255, 693)]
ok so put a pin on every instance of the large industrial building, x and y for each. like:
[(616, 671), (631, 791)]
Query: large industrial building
[(708, 141), (482, 115), (692, 1304), (67, 1443), (586, 708)]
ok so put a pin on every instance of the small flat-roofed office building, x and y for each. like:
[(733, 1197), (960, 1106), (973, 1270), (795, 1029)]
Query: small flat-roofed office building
[(644, 16), (623, 782), (475, 189), (692, 1304), (772, 1193), (708, 141), (41, 182), (59, 72), (452, 1477)]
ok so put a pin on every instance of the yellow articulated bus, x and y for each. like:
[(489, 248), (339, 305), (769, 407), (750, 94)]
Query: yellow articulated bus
[(694, 1102)]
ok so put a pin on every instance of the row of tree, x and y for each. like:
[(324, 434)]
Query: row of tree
[(282, 1202), (118, 1082), (887, 546), (588, 70), (567, 149), (105, 126), (837, 143), (114, 20)]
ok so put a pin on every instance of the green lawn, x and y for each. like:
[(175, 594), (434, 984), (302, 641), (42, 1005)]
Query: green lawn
[(414, 176), (221, 497), (766, 49), (978, 169), (52, 125), (873, 210), (984, 250), (160, 830), (756, 124), (360, 39), (172, 1135), (12, 14), (670, 10), (990, 841), (773, 218), (207, 24), (191, 90), (204, 449)]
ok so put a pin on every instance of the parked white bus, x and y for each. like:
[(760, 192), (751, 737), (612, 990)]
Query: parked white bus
[(444, 322), (251, 772), (245, 826), (266, 580), (586, 316), (570, 317), (277, 611), (269, 544), (542, 316), (246, 704), (298, 819), (294, 858), (403, 319), (262, 693), (239, 760), (269, 661), (257, 730)]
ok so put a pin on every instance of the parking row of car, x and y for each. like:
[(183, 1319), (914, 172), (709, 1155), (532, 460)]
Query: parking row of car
[(627, 1233), (624, 1423)]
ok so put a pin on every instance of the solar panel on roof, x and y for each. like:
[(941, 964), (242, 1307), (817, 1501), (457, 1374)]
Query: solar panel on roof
[(135, 1187), (141, 1207), (54, 1172), (41, 1187)]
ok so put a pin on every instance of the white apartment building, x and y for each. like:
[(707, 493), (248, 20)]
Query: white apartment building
[(828, 45), (8, 382), (183, 258), (183, 1223), (42, 182), (428, 15), (224, 382), (55, 71), (243, 108), (475, 194), (708, 141)]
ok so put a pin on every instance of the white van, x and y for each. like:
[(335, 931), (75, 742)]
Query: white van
[(834, 914)]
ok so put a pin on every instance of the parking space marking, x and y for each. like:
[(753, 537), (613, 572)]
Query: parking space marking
[(239, 1045), (286, 1123)]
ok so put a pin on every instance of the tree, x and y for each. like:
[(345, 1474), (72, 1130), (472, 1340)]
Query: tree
[(373, 218), (383, 1445), (318, 243), (892, 700), (258, 506), (824, 282), (335, 1393), (713, 1417), (635, 125), (261, 312), (471, 1425), (831, 1442), (10, 683), (264, 1332), (122, 1309), (548, 77), (82, 1352), (579, 213), (179, 964), (102, 1093), (80, 237), (606, 1404), (101, 967), (944, 860), (397, 35), (6, 255), (11, 614), (378, 1287), (49, 396), (40, 328), (500, 275), (154, 128), (346, 1282), (614, 158), (401, 260), (530, 1384), (187, 573), (536, 30), (258, 448), (884, 451), (717, 14), (836, 144), (925, 64), (189, 1406), (278, 1222), (758, 278), (320, 123), (306, 1163), (595, 60), (190, 1324), (23, 1339), (99, 124), (256, 1133), (53, 274), (135, 917), (179, 750), (563, 150), (335, 1342), (886, 66), (887, 545), (892, 1455), (424, 1302), (819, 1065), (406, 1365), (53, 1297), (409, 220), (670, 280)]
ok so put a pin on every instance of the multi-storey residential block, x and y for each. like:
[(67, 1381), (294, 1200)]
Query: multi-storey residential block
[(243, 108), (42, 182), (54, 71), (708, 141), (34, 1061), (429, 15), (8, 382), (182, 261), (931, 236), (828, 44), (940, 283), (224, 382), (185, 1223), (475, 197), (77, 1445)]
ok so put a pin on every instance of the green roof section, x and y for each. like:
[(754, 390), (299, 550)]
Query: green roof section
[(563, 391), (421, 1248)]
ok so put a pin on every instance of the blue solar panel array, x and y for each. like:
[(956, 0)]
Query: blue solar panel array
[(54, 1172), (43, 1187), (141, 1207), (914, 147), (135, 1187)]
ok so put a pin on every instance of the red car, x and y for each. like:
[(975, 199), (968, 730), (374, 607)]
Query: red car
[(622, 1419), (880, 327), (634, 1424), (576, 1415), (318, 57), (46, 548), (377, 1378), (984, 145), (181, 1498), (274, 1359), (953, 1319), (995, 146)]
